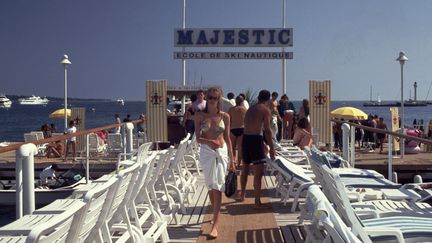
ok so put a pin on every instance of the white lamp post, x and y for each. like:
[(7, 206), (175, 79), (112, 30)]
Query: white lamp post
[(283, 50), (65, 61), (402, 59), (183, 104)]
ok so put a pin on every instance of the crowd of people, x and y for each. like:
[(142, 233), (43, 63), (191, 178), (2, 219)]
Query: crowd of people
[(363, 138), (235, 135)]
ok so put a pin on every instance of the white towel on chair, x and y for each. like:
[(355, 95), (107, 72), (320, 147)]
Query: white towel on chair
[(214, 164)]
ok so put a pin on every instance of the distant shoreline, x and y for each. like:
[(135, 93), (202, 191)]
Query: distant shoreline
[(51, 98)]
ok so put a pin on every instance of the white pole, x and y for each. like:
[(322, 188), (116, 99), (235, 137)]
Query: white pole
[(18, 184), (87, 159), (25, 155), (65, 97), (352, 146), (283, 51), (402, 114), (345, 141), (183, 105), (390, 158), (129, 138), (65, 61)]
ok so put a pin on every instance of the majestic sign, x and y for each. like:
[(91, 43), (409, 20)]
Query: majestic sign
[(320, 97), (234, 37), (233, 55)]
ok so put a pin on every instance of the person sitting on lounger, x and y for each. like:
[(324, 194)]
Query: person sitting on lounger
[(55, 150), (302, 134)]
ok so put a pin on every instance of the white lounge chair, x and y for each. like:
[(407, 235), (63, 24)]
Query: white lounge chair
[(115, 144), (292, 180), (34, 136), (326, 219), (403, 228), (98, 197), (191, 156), (118, 219), (47, 228)]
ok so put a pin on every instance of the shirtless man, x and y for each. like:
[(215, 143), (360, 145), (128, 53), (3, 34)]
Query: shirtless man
[(237, 114), (256, 120)]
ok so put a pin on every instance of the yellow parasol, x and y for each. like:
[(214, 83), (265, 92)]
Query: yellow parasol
[(349, 113), (60, 114)]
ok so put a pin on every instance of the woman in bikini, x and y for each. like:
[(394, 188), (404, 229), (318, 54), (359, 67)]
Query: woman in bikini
[(237, 114), (302, 135), (212, 129)]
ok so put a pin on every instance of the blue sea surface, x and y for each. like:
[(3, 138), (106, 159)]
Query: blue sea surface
[(20, 119)]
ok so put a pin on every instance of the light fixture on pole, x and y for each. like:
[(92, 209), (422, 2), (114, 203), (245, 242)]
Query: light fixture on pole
[(402, 59), (65, 61)]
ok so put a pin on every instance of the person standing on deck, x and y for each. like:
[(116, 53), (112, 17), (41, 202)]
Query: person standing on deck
[(275, 117), (212, 129), (231, 98), (256, 120), (71, 142), (188, 122), (245, 102), (304, 109), (118, 121), (237, 114), (381, 136)]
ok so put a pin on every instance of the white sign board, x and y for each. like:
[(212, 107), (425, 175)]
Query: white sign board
[(234, 37), (233, 55)]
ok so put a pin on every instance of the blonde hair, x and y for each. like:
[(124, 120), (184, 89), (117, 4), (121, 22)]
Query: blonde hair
[(220, 92)]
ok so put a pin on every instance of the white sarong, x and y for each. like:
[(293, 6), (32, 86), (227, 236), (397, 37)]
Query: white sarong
[(214, 164)]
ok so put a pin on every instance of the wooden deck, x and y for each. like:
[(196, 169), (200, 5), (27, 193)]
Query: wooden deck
[(406, 168), (239, 221)]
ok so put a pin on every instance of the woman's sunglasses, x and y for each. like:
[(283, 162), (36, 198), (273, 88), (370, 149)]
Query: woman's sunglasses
[(210, 97)]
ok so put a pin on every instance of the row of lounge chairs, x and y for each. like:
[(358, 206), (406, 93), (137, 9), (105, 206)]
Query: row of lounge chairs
[(346, 204), (148, 192)]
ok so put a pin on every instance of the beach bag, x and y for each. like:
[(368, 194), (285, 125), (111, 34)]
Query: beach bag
[(230, 184)]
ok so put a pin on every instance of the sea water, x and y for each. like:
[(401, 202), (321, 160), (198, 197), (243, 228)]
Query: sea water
[(20, 119)]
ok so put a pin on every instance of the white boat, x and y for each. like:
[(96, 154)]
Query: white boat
[(33, 100), (5, 101), (120, 101)]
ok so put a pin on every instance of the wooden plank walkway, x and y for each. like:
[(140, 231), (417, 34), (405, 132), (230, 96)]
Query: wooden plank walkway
[(239, 221)]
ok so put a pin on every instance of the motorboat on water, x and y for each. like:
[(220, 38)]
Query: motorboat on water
[(5, 101), (33, 100), (59, 188), (120, 101)]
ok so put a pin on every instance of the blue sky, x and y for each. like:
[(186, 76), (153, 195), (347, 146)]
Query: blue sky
[(116, 45)]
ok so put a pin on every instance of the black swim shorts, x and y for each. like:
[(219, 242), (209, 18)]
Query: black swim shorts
[(253, 149), (237, 132)]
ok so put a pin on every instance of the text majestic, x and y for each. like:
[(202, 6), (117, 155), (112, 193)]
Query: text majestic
[(233, 37)]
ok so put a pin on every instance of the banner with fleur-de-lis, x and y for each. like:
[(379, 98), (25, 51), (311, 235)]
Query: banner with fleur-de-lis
[(156, 110), (319, 106)]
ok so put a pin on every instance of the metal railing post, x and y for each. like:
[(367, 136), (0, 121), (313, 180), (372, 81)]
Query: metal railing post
[(123, 133), (25, 179), (390, 157), (88, 159), (129, 137), (345, 141), (18, 185), (352, 146)]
